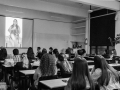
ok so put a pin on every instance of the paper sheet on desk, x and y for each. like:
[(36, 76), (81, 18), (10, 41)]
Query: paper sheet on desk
[(9, 62), (36, 63)]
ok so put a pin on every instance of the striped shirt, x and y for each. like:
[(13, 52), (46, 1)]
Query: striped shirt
[(16, 58)]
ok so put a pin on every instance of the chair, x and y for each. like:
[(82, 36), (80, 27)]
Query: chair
[(64, 74), (17, 77)]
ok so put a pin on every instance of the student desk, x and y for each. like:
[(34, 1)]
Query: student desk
[(109, 60), (90, 62), (35, 64), (55, 83), (89, 58), (116, 66), (28, 74), (1, 61), (6, 70)]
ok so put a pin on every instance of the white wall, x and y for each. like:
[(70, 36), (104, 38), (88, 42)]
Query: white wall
[(50, 29), (46, 28), (51, 34), (21, 50), (27, 13), (117, 31)]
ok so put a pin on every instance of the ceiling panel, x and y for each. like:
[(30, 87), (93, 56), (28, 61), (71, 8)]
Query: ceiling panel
[(71, 3)]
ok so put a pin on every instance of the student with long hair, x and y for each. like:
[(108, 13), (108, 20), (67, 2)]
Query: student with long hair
[(3, 54), (30, 54), (39, 53), (56, 53), (46, 68), (44, 51), (80, 78), (105, 75)]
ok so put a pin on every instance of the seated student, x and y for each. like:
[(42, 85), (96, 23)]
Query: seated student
[(64, 54), (114, 52), (46, 68), (67, 52), (72, 55), (106, 76), (64, 65), (55, 54), (24, 64), (80, 78), (51, 50), (44, 51), (16, 57), (3, 54), (106, 54), (25, 61), (30, 54), (39, 53), (81, 54)]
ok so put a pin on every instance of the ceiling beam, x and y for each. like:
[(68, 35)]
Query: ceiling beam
[(109, 4)]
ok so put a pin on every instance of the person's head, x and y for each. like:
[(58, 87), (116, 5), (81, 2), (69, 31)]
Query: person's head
[(114, 52), (51, 49), (44, 51), (3, 50), (81, 52), (100, 62), (15, 21), (80, 72), (63, 51), (60, 57), (106, 51), (15, 52), (3, 53), (38, 49), (1, 47), (47, 65), (71, 51), (23, 54), (56, 52), (30, 50), (79, 46), (67, 51)]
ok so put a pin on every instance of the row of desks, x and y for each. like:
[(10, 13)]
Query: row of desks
[(89, 61), (57, 83), (29, 72)]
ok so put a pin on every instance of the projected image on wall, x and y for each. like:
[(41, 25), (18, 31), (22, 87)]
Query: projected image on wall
[(13, 32)]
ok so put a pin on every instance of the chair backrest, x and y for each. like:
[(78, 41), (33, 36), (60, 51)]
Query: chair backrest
[(18, 66), (48, 77), (60, 67)]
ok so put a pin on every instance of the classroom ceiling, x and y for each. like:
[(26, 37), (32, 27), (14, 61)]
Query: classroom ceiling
[(72, 4)]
